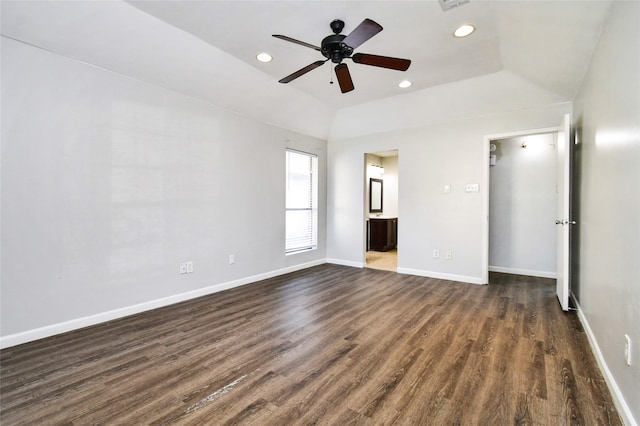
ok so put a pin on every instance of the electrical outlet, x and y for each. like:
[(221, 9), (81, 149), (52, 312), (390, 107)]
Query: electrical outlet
[(232, 259), (627, 349), (186, 267), (449, 255), (436, 254)]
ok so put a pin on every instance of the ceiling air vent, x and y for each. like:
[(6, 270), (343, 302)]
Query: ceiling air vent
[(450, 4)]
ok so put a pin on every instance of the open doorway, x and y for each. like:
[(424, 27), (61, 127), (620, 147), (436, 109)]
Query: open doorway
[(381, 210), (523, 203)]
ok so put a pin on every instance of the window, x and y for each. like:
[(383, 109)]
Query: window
[(301, 202)]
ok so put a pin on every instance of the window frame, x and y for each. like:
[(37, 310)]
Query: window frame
[(301, 242)]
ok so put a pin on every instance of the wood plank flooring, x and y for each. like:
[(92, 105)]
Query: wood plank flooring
[(329, 345)]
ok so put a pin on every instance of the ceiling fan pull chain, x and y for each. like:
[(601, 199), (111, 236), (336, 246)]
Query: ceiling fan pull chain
[(330, 76)]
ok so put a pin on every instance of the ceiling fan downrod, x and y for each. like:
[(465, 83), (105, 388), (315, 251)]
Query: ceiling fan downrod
[(332, 47)]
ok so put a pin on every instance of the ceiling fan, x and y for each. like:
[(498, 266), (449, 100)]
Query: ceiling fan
[(338, 47)]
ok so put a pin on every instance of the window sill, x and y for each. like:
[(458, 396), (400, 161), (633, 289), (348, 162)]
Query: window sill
[(301, 251)]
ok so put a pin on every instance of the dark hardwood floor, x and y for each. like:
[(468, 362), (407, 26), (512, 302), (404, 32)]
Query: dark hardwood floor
[(328, 345)]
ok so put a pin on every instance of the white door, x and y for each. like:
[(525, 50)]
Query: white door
[(563, 218)]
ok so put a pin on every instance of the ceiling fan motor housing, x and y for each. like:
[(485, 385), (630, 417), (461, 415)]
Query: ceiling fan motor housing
[(333, 48)]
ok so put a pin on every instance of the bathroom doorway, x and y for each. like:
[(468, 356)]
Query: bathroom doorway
[(381, 210)]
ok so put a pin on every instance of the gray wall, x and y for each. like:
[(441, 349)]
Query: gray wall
[(522, 206), (108, 184), (429, 158), (607, 238)]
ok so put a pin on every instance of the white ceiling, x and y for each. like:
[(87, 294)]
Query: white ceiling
[(539, 50)]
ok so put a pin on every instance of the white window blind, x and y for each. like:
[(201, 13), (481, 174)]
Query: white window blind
[(301, 202)]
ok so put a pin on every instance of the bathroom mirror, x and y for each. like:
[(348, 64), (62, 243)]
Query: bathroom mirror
[(375, 195)]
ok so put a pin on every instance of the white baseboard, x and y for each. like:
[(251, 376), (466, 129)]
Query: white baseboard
[(346, 263), (618, 398), (75, 324), (528, 272), (440, 275)]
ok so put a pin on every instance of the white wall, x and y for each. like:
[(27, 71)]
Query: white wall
[(522, 206), (607, 237), (373, 165), (109, 183), (431, 156), (390, 184), (390, 195)]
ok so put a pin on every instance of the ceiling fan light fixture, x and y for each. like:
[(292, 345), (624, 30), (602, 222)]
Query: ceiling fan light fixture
[(264, 57), (464, 30), (404, 84)]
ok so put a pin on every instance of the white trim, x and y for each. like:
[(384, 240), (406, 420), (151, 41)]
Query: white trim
[(484, 250), (63, 327), (346, 263), (441, 276), (510, 135), (528, 272), (618, 398)]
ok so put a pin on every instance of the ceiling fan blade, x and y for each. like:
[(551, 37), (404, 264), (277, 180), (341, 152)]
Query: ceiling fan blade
[(362, 33), (382, 61), (301, 71), (293, 40), (344, 78)]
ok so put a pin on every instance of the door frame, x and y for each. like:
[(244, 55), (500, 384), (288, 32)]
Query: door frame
[(366, 204), (485, 184)]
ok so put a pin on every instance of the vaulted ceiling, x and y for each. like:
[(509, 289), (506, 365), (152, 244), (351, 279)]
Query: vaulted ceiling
[(523, 54)]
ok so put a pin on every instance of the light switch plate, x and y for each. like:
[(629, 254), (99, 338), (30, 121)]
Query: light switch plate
[(473, 187)]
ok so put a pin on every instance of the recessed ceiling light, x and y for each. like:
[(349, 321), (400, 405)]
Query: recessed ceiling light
[(264, 57), (464, 30), (405, 83)]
